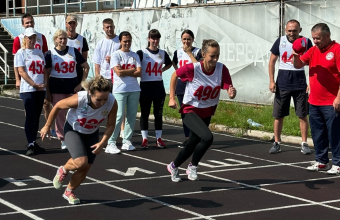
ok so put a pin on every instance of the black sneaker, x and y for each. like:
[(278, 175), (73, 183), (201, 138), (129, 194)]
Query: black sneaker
[(183, 144), (30, 150), (38, 149)]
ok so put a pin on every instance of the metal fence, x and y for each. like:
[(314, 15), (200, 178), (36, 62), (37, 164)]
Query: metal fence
[(54, 6), (4, 68)]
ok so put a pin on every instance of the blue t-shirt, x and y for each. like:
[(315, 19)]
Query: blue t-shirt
[(289, 80)]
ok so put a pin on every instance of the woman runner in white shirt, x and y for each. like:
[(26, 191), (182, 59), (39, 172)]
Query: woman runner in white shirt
[(31, 67), (87, 110), (204, 80)]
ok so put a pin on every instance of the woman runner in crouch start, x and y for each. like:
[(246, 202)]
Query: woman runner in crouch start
[(87, 109), (204, 82)]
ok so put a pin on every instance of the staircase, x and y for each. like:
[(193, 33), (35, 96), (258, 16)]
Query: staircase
[(7, 42)]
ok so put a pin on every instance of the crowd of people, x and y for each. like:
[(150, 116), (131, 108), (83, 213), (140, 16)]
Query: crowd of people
[(58, 78)]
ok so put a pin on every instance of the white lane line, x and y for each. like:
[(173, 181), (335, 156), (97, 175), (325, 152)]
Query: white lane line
[(176, 126), (8, 97), (41, 179), (109, 185), (12, 108), (253, 211), (20, 210), (14, 181), (247, 185), (257, 158), (274, 192), (255, 167), (253, 186)]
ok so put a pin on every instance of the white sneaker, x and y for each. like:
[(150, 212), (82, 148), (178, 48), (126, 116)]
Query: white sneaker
[(334, 170), (63, 145), (316, 166), (128, 146), (121, 134), (112, 148)]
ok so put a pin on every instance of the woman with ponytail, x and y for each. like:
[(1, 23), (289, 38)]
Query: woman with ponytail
[(87, 110), (204, 80)]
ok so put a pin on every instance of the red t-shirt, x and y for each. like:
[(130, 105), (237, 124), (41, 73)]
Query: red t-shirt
[(186, 73), (324, 78), (17, 46)]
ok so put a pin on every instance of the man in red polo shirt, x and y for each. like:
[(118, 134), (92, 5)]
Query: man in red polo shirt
[(324, 78)]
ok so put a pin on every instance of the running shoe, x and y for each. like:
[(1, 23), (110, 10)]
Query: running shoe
[(334, 170), (305, 149), (127, 146), (59, 178), (183, 144), (145, 144), (174, 173), (71, 197), (317, 166), (63, 145), (53, 133), (160, 143), (112, 148), (275, 148), (30, 150), (37, 148), (192, 172)]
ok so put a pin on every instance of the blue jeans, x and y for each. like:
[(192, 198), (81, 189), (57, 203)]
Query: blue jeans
[(33, 102), (128, 101), (325, 128)]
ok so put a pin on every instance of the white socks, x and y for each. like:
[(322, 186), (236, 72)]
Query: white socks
[(158, 133), (144, 134)]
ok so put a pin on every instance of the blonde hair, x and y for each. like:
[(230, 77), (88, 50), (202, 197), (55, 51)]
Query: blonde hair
[(57, 33), (208, 43), (23, 44), (96, 84)]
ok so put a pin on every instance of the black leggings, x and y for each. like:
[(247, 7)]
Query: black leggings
[(145, 106), (185, 128), (200, 139)]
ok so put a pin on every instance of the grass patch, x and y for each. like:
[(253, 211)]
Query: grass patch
[(235, 115)]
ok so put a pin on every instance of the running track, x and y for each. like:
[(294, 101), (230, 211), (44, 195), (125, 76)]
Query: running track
[(238, 180)]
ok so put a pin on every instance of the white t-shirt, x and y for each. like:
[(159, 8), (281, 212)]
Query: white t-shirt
[(202, 84), (76, 43), (34, 62), (85, 119), (64, 66), (126, 60), (105, 47), (152, 66)]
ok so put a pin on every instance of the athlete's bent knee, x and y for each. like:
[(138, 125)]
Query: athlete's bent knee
[(81, 163)]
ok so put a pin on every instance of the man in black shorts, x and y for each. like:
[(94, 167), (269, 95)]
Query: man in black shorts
[(290, 83)]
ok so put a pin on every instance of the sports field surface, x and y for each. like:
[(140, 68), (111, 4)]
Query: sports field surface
[(238, 179)]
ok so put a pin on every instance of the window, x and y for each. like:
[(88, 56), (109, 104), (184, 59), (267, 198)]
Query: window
[(68, 1), (120, 4)]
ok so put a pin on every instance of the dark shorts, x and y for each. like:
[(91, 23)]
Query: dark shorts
[(282, 103), (78, 144)]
